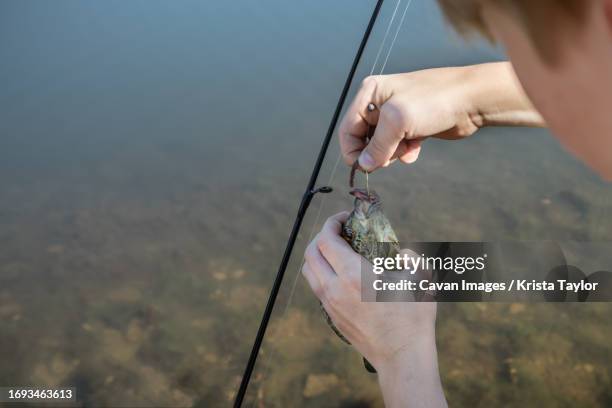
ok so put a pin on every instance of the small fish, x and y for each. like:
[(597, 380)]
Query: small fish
[(367, 229), (369, 233)]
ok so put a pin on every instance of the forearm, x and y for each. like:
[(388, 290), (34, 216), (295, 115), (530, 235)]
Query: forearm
[(498, 98), (411, 377)]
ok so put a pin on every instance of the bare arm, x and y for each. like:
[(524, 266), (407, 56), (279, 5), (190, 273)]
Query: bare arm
[(498, 98), (411, 379)]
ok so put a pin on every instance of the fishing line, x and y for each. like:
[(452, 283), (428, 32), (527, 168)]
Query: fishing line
[(289, 302), (259, 339), (282, 319), (303, 207), (382, 69), (395, 36), (335, 168), (384, 40)]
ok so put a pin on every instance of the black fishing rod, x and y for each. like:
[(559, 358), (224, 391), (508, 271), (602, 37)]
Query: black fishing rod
[(306, 199)]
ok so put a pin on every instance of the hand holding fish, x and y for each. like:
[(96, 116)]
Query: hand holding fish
[(397, 338), (446, 103)]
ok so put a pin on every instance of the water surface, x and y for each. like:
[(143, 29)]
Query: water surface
[(152, 157)]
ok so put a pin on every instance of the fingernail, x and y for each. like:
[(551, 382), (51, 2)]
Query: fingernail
[(366, 161)]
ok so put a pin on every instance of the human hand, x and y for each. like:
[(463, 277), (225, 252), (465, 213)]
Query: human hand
[(397, 338), (382, 332), (446, 103)]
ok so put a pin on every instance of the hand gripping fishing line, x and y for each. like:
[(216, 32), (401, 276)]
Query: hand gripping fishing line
[(371, 106), (311, 191)]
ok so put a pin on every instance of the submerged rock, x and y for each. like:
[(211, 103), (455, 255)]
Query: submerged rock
[(317, 384)]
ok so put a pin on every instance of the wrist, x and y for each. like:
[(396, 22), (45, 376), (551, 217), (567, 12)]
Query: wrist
[(480, 82), (413, 357), (495, 97), (411, 374)]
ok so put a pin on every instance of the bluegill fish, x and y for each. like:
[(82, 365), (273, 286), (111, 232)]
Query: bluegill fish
[(369, 233)]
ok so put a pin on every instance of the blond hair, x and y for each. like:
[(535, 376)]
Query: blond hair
[(542, 19)]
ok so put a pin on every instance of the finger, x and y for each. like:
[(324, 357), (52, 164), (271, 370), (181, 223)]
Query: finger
[(333, 225), (404, 150), (312, 280), (387, 136), (320, 268), (354, 125), (335, 249), (340, 219), (418, 275), (351, 146), (425, 273), (412, 149)]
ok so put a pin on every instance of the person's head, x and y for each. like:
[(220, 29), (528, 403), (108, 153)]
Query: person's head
[(561, 51)]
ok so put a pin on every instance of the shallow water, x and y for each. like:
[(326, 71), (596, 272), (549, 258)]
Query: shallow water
[(152, 157)]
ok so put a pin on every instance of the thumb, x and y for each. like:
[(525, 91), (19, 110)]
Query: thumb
[(387, 136)]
